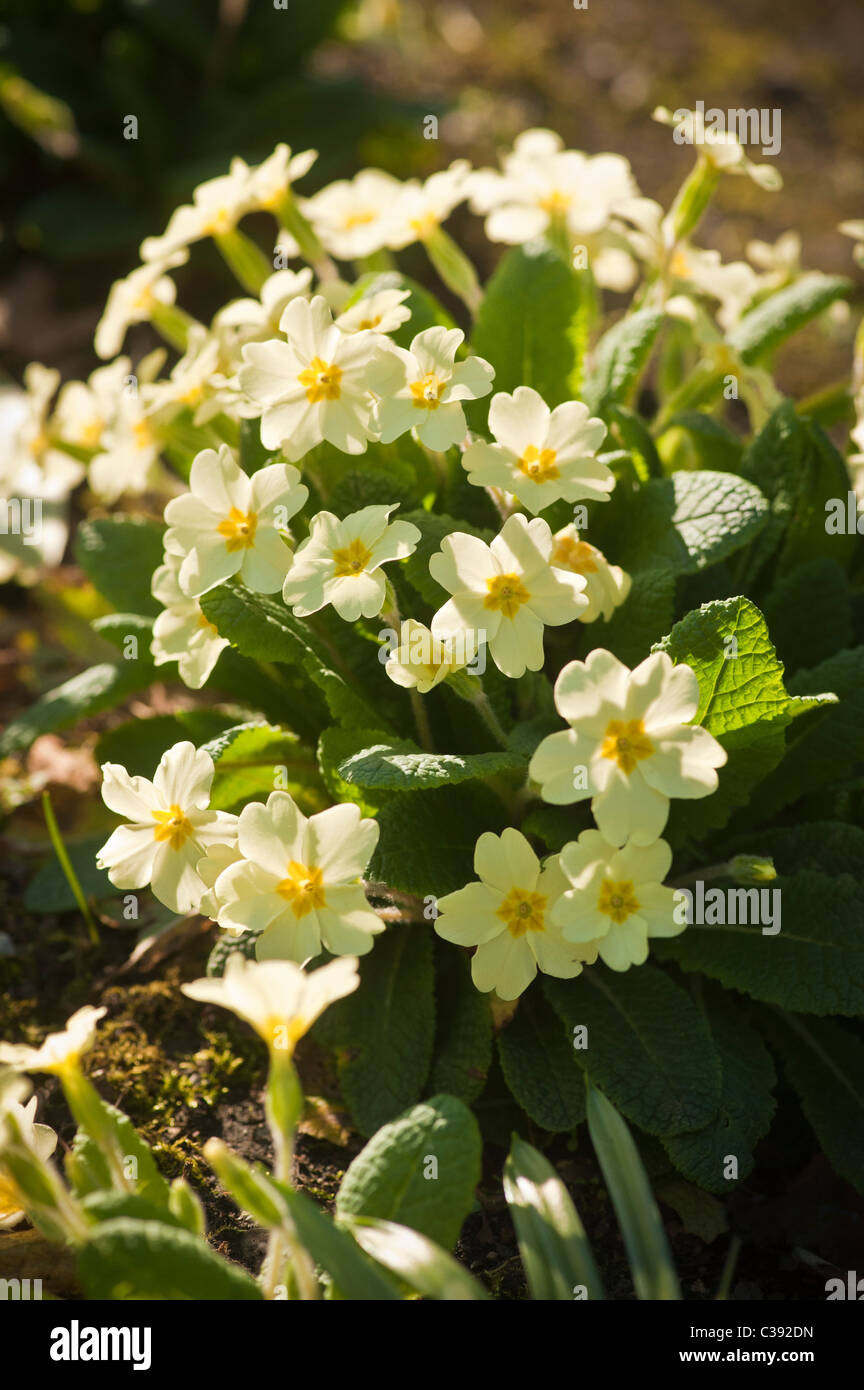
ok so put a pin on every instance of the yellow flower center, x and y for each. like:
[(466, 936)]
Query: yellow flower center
[(302, 889), (427, 392), (221, 221), (626, 743), (205, 622), (423, 226), (360, 218), (617, 900), (91, 432), (144, 436), (522, 911), (350, 560), (322, 381), (555, 202), (10, 1198), (192, 395), (369, 323), (506, 594), (239, 529), (173, 826), (538, 464), (679, 266), (38, 444), (577, 556)]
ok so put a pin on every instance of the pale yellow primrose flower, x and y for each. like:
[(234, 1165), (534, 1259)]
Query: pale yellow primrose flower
[(422, 390), (270, 181), (606, 586), (541, 455), (41, 1139), (31, 466), (216, 208), (314, 386), (301, 880), (420, 208), (382, 312), (169, 826), (340, 562), (509, 917), (351, 217), (543, 183), (181, 632), (734, 283), (630, 745), (616, 900), (229, 523), (130, 457), (86, 409), (509, 589), (59, 1051), (855, 229), (133, 299), (276, 997), (422, 661)]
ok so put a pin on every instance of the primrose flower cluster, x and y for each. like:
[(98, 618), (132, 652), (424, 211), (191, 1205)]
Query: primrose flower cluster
[(336, 356)]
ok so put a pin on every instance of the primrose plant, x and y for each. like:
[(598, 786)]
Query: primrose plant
[(517, 620)]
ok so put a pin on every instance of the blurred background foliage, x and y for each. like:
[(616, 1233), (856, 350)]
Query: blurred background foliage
[(208, 79)]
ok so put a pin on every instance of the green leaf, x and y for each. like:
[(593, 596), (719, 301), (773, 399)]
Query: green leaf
[(265, 629), (692, 439), (688, 521), (552, 1241), (119, 554), (525, 324), (420, 1170), (644, 617), (813, 965), (420, 1262), (824, 1061), (809, 613), (764, 328), (253, 760), (746, 1103), (539, 1067), (648, 1046), (619, 359), (463, 1028), (700, 1214), (139, 743), (336, 745), (648, 1250), (635, 436), (353, 1275), (382, 1034), (386, 766), (49, 890), (828, 744), (743, 703), (129, 1259), (92, 691), (427, 839)]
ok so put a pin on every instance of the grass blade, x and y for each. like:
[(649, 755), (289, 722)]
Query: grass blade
[(552, 1241)]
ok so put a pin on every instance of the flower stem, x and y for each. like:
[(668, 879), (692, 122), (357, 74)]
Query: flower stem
[(483, 707), (66, 866)]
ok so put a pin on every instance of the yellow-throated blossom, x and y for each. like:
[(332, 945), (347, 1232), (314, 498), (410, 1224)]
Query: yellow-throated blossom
[(509, 916), (168, 829), (340, 562), (313, 387), (301, 880), (351, 216), (507, 591), (422, 390), (606, 586), (540, 455), (60, 1051), (229, 523), (616, 899), (420, 661), (630, 746), (181, 632), (276, 997)]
